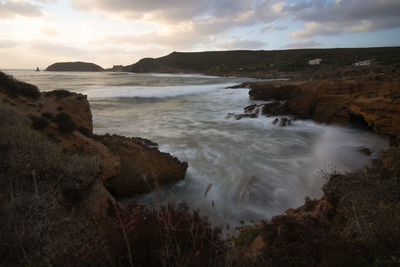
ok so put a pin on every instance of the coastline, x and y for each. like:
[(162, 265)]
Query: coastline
[(321, 211)]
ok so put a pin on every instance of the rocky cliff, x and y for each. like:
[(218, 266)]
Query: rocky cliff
[(128, 165), (74, 66), (266, 64), (370, 100)]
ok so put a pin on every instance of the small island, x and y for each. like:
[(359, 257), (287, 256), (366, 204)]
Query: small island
[(74, 66)]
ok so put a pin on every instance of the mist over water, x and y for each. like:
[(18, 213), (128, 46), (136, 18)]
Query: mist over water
[(238, 170)]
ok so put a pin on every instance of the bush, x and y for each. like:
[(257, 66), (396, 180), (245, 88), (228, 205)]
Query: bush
[(83, 130), (165, 236), (39, 123), (66, 126), (59, 93), (64, 122), (62, 116), (47, 115), (39, 219), (14, 87)]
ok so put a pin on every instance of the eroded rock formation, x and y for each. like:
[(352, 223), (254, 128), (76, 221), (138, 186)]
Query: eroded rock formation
[(128, 165)]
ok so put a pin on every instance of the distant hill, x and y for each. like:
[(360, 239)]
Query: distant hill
[(220, 62), (74, 66)]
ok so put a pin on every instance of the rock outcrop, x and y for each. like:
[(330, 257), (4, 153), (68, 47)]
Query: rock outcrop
[(372, 100), (143, 168), (128, 165), (74, 66)]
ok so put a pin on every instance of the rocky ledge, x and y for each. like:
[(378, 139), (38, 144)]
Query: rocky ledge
[(129, 166), (370, 100)]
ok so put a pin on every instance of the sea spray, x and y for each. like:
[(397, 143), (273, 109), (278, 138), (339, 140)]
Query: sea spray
[(256, 169)]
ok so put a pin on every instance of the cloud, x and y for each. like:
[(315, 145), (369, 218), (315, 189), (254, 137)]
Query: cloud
[(335, 17), (238, 44), (7, 44), (49, 31), (302, 44), (221, 15), (51, 48), (19, 8)]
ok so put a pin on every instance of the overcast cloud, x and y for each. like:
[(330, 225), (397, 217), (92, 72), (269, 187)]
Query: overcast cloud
[(18, 8), (127, 30)]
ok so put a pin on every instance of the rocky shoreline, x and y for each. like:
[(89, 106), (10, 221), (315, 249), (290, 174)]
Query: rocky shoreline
[(356, 219), (129, 166)]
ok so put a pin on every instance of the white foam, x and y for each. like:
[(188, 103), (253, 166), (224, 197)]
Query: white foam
[(172, 75), (96, 92)]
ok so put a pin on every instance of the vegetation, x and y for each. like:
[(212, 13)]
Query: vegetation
[(47, 115), (74, 66), (58, 93), (227, 62), (45, 219), (14, 87), (64, 122), (84, 131), (39, 123)]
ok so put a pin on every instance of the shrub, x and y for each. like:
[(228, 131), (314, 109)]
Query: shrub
[(165, 236), (39, 123), (64, 122), (14, 87), (83, 130), (62, 116), (60, 108), (34, 208), (66, 126), (59, 93), (47, 115)]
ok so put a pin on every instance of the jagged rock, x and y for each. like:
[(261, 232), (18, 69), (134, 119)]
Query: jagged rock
[(375, 103), (285, 121), (251, 108), (142, 168), (242, 85), (125, 163), (275, 108), (270, 91), (241, 116)]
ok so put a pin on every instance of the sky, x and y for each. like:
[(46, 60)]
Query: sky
[(120, 32)]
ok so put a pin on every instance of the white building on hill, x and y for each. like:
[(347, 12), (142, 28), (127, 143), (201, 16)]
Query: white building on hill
[(362, 63), (315, 61)]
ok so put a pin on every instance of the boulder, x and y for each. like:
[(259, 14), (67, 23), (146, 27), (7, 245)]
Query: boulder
[(142, 168)]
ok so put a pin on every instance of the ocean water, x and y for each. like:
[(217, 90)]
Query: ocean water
[(247, 169)]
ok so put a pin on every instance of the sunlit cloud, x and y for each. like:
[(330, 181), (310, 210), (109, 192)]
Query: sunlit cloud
[(19, 8), (123, 31)]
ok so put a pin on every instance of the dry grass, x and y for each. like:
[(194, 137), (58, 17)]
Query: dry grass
[(14, 87), (45, 222)]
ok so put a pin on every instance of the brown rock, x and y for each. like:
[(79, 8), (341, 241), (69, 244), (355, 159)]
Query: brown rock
[(142, 168)]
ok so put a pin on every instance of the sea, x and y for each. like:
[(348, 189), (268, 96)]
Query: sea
[(239, 170)]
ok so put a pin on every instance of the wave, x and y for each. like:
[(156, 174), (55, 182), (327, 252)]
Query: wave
[(182, 75), (96, 92)]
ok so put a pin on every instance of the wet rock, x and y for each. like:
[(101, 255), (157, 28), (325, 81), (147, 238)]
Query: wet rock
[(275, 121), (145, 142), (366, 151), (241, 116), (242, 85), (251, 108), (275, 108), (229, 115), (284, 122)]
